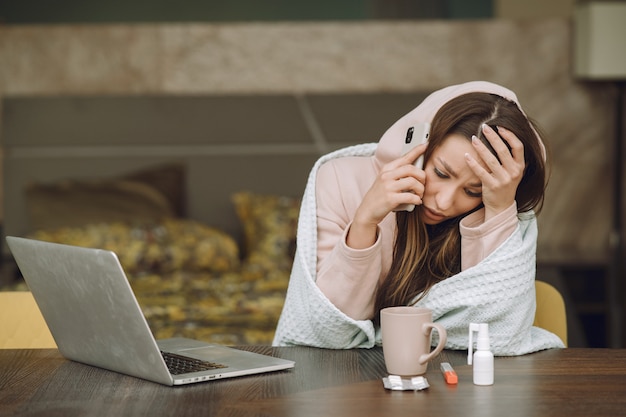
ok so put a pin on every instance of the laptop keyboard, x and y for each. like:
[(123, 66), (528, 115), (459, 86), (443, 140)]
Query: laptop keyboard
[(178, 364)]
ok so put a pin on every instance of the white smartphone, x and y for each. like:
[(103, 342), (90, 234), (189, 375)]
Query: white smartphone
[(415, 135)]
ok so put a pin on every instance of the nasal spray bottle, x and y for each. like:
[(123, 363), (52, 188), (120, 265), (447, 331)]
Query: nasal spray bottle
[(482, 357)]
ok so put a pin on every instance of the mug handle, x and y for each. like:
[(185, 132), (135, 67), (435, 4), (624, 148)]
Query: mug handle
[(427, 328)]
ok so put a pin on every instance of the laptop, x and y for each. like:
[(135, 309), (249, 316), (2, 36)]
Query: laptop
[(94, 317)]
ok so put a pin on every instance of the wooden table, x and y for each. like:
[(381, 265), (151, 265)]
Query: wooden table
[(568, 382)]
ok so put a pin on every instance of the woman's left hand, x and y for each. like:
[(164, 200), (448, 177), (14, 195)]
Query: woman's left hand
[(499, 179)]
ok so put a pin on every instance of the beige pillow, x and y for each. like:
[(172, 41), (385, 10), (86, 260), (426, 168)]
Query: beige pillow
[(169, 179), (76, 203)]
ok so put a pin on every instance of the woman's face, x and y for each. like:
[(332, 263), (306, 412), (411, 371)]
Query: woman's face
[(451, 187)]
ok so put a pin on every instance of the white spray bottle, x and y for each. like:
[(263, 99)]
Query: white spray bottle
[(482, 357)]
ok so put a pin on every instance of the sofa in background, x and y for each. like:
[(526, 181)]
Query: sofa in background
[(191, 279)]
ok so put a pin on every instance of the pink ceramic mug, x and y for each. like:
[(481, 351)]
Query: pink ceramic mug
[(406, 334)]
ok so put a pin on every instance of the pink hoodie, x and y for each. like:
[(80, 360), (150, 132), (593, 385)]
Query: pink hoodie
[(349, 277)]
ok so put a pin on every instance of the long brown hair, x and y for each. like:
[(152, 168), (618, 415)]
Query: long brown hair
[(426, 254)]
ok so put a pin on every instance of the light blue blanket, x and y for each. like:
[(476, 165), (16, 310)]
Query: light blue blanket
[(499, 291)]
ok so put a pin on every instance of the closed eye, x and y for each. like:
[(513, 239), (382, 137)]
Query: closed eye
[(473, 193), (440, 174)]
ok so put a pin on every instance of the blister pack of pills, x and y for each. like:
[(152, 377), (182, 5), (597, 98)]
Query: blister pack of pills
[(397, 383)]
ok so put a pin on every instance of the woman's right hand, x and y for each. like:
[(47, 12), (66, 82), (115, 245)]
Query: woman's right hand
[(398, 183)]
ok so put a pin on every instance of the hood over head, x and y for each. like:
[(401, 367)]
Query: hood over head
[(391, 143)]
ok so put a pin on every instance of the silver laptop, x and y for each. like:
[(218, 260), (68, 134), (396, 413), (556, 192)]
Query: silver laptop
[(94, 317)]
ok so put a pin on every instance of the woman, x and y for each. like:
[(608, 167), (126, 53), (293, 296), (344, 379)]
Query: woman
[(467, 250)]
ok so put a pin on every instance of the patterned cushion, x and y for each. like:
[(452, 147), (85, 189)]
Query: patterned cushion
[(270, 223), (157, 247)]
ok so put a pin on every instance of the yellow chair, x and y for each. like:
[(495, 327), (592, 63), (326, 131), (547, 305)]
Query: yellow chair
[(550, 313), (21, 324)]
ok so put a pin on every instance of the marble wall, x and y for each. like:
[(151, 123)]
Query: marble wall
[(531, 57), (284, 57)]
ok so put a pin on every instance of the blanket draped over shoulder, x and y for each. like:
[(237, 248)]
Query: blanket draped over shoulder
[(499, 291)]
